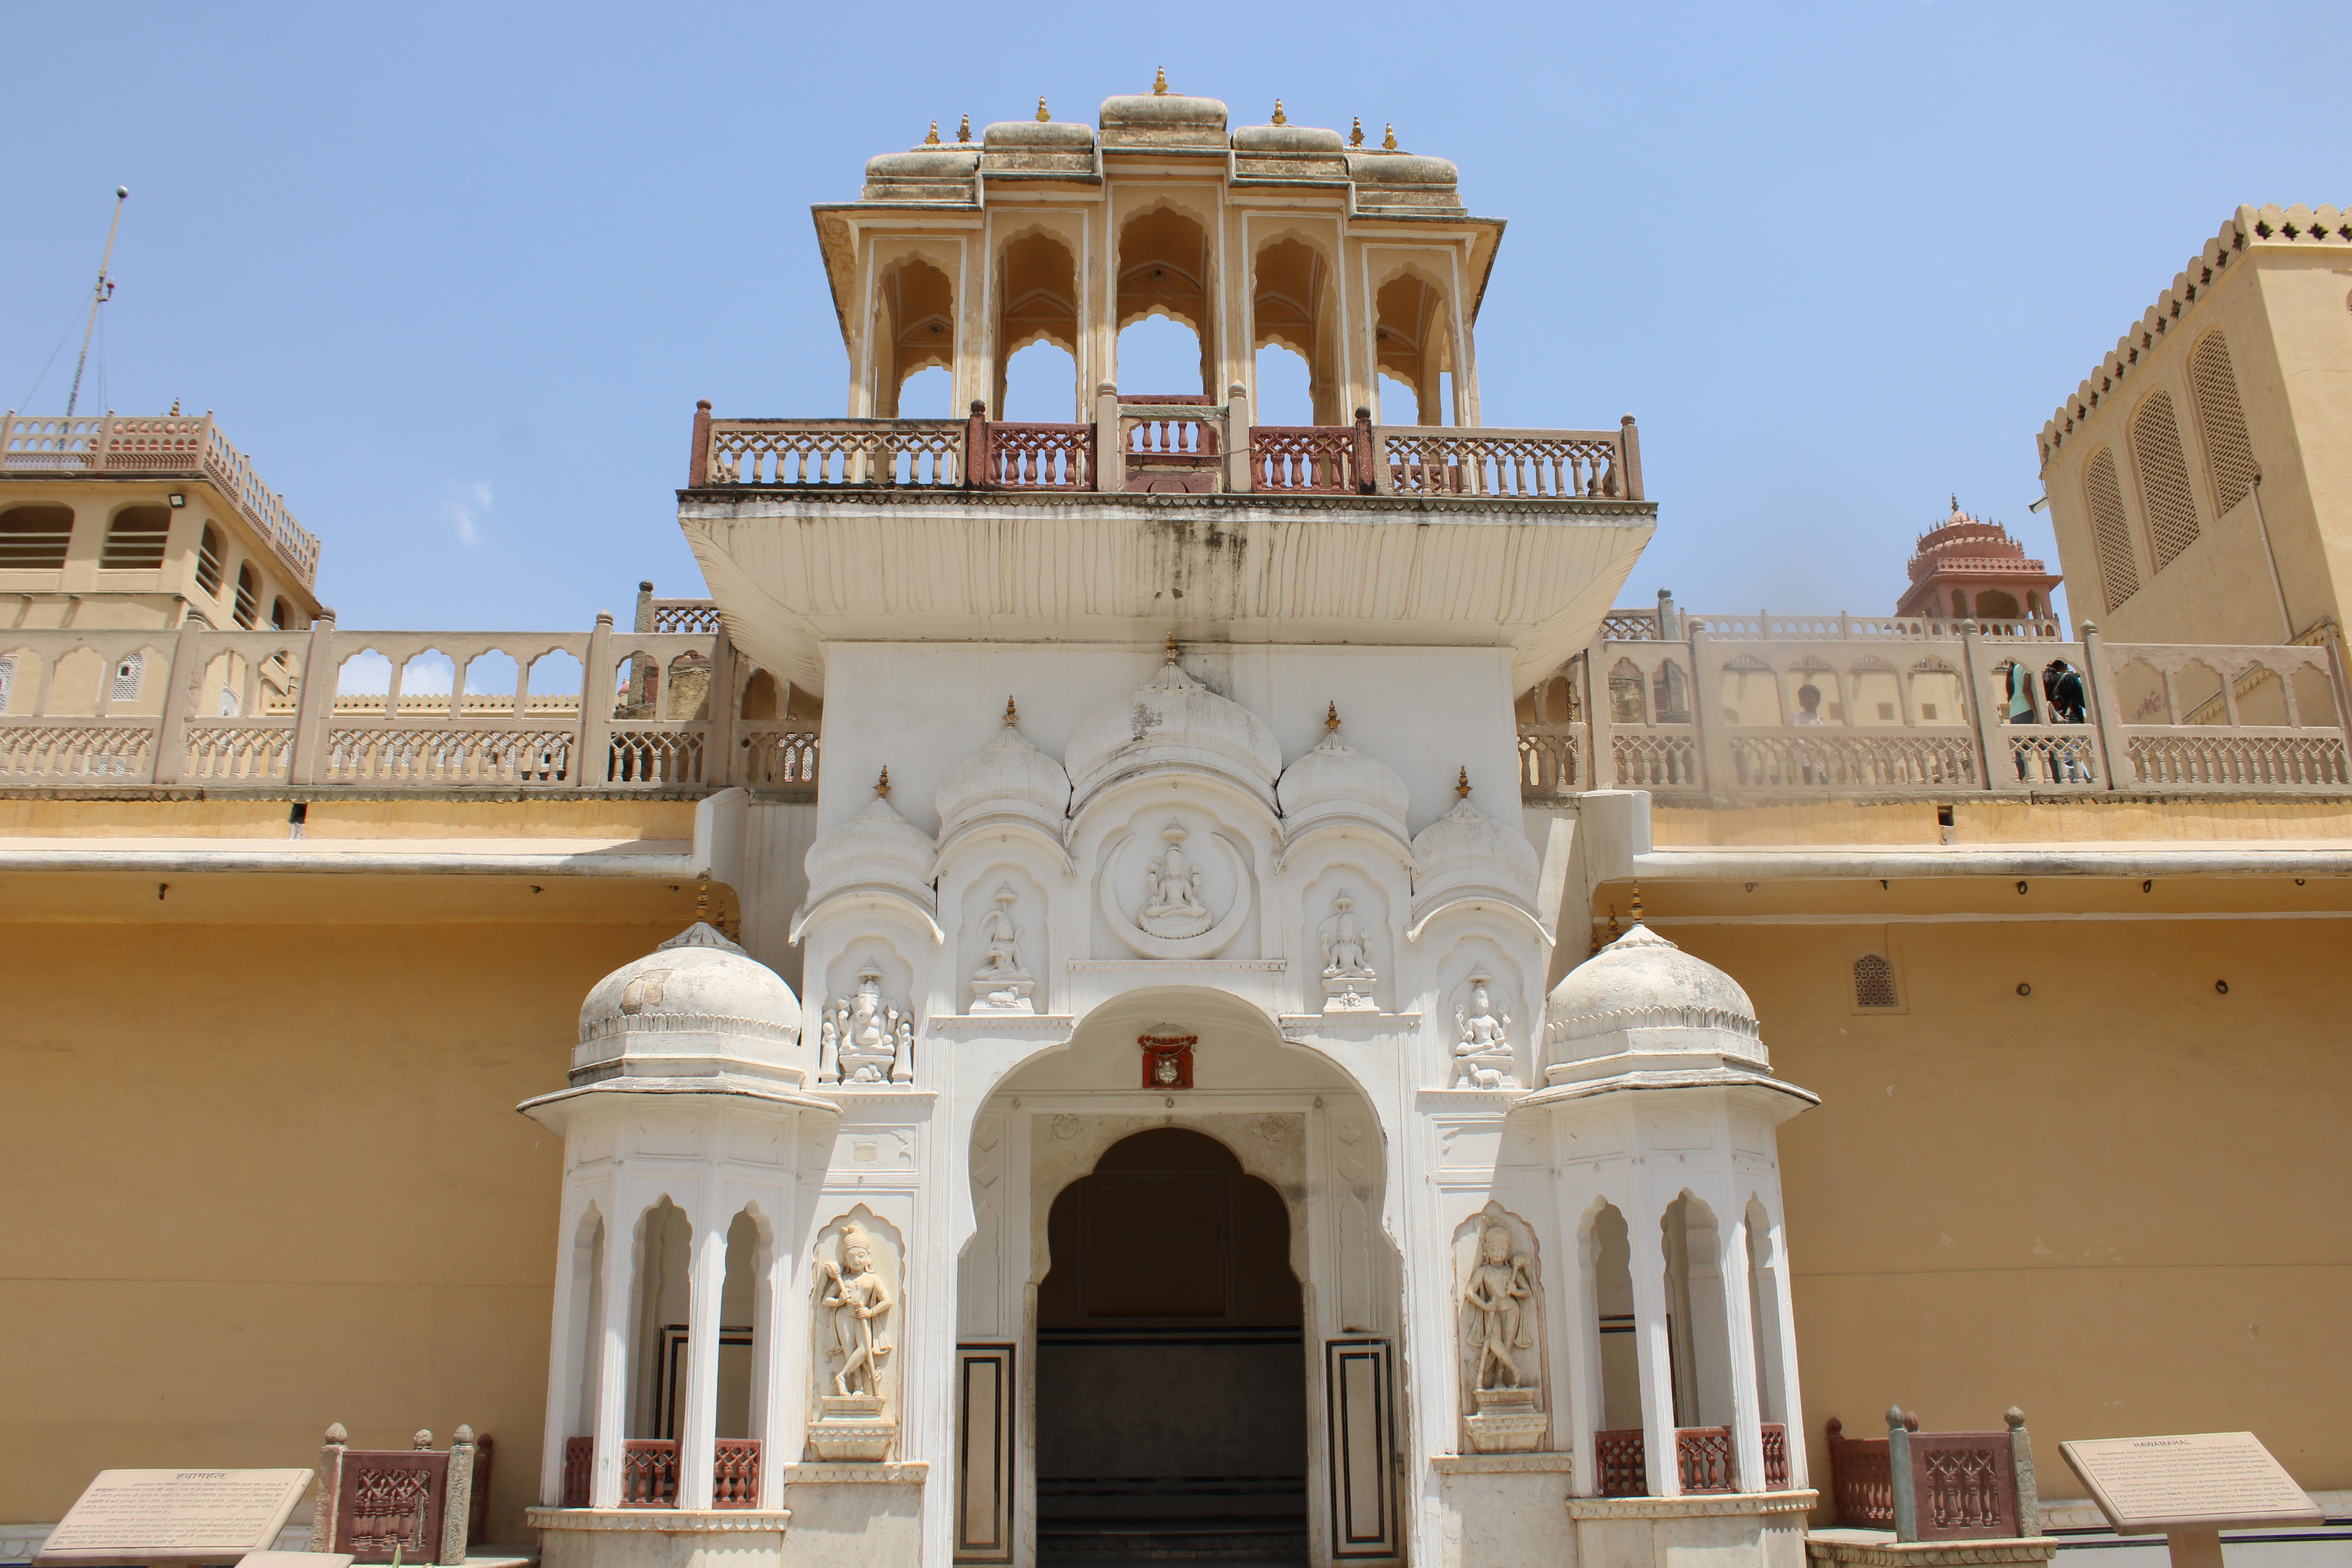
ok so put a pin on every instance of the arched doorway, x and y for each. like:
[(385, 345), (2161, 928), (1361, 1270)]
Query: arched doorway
[(1171, 1386)]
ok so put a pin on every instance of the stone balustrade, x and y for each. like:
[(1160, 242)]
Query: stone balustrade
[(1921, 706), (160, 446)]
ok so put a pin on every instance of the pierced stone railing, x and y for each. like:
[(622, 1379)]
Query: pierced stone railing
[(1621, 1462), (1526, 465), (1306, 459), (830, 454), (1551, 758), (632, 711), (649, 1472), (579, 1470), (735, 1473), (1936, 1485), (1898, 707), (1707, 1459), (160, 444), (1776, 1457), (1034, 456)]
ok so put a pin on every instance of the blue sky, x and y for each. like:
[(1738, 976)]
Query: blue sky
[(455, 276)]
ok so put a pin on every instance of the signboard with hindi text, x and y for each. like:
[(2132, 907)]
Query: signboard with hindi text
[(175, 1516), (2199, 1482)]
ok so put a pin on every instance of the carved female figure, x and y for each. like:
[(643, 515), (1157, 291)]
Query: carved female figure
[(1498, 1294), (860, 1302)]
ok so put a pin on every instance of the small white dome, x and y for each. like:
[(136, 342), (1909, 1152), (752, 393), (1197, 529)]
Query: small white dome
[(1007, 778), (1334, 781), (1466, 854), (876, 851), (697, 1007), (1172, 722), (1659, 997)]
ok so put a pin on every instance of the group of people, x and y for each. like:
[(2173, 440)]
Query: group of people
[(2063, 693)]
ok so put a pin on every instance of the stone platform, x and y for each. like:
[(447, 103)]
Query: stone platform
[(1879, 1548), (660, 1536), (1766, 1530)]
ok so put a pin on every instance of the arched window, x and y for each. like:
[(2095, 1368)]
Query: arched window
[(128, 676), (248, 609), (134, 539), (281, 614), (34, 537), (2118, 570), (209, 561), (1873, 981), (2164, 487), (2221, 421)]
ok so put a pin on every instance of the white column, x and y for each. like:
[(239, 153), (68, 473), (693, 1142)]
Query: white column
[(1656, 1355), (1783, 1332), (622, 1246), (1747, 1420), (569, 1345), (698, 1449)]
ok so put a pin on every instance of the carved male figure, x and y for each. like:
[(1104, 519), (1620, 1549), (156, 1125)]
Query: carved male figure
[(860, 1303), (1498, 1293), (1345, 938)]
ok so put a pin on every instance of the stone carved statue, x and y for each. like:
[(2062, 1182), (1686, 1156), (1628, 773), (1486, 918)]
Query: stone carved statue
[(999, 984), (1348, 974), (865, 1037), (860, 1303), (1500, 1294), (1172, 903), (1482, 1048)]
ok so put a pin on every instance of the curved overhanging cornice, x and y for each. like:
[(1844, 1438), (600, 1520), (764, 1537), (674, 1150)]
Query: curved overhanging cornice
[(1001, 823), (1782, 1098), (857, 895), (1344, 824), (553, 1110), (1477, 899)]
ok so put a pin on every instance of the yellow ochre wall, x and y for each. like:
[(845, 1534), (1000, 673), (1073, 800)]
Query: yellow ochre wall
[(265, 1172), (2118, 1203)]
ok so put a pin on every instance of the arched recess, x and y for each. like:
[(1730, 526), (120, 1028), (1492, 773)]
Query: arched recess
[(1412, 344), (1293, 297), (1036, 302), (585, 1314), (1767, 1306), (661, 1292), (745, 1321), (1165, 270), (1608, 1258), (914, 328), (1697, 1313)]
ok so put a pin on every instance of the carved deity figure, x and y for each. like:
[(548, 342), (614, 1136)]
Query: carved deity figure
[(860, 1304), (1172, 902), (1347, 941), (1482, 1050), (867, 1036), (1500, 1294), (1000, 942)]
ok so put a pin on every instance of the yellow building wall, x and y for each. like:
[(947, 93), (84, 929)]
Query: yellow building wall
[(2117, 1203), (265, 1172)]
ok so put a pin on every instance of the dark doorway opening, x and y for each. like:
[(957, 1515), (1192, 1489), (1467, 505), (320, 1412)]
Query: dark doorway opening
[(1171, 1384)]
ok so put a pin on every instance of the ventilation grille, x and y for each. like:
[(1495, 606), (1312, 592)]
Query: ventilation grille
[(2163, 480), (134, 539), (1873, 981), (34, 537), (2118, 573), (2229, 455)]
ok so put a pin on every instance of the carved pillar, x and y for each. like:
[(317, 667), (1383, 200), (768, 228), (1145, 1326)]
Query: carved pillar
[(1713, 740), (590, 764), (171, 731), (698, 1447), (1747, 1420), (2099, 682), (1971, 661), (1110, 446), (1237, 439), (621, 1244), (1655, 1353), (1583, 1407), (314, 701)]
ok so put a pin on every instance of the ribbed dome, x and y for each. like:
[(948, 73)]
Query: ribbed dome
[(1642, 982), (1335, 781), (1467, 854), (1163, 119), (1172, 722), (1008, 777), (696, 1006), (877, 850)]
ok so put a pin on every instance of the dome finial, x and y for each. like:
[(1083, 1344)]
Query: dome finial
[(1331, 717), (933, 139), (882, 785), (702, 899), (964, 131), (1356, 135), (1172, 648), (1011, 714), (1388, 142), (1279, 119), (1462, 784), (1637, 904), (1041, 115), (1159, 82)]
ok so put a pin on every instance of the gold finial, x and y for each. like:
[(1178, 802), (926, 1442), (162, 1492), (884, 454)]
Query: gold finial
[(702, 899), (1462, 784), (1172, 648), (1613, 922), (1388, 143), (933, 139), (1160, 83), (1011, 714), (1279, 118), (1331, 717), (964, 131), (1041, 115), (175, 409), (882, 785), (1637, 904), (1356, 135)]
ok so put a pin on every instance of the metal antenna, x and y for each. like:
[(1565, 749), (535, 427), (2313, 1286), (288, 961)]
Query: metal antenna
[(99, 296)]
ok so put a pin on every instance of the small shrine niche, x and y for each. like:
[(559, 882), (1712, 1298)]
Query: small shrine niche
[(1499, 1297)]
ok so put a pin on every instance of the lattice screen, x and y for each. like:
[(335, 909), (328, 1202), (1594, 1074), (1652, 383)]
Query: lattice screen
[(2118, 573), (2163, 479), (2229, 455), (1873, 981)]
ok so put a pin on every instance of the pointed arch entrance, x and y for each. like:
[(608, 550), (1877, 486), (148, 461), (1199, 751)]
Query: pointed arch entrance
[(1179, 1312)]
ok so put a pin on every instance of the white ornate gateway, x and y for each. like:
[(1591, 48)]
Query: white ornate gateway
[(1178, 1152)]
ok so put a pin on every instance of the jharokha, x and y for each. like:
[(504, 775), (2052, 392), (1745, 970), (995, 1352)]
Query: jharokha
[(1158, 984)]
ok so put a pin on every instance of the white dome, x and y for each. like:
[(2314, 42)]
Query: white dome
[(1007, 778), (1172, 722), (1466, 854), (1334, 782), (697, 1007), (1642, 994), (876, 851)]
